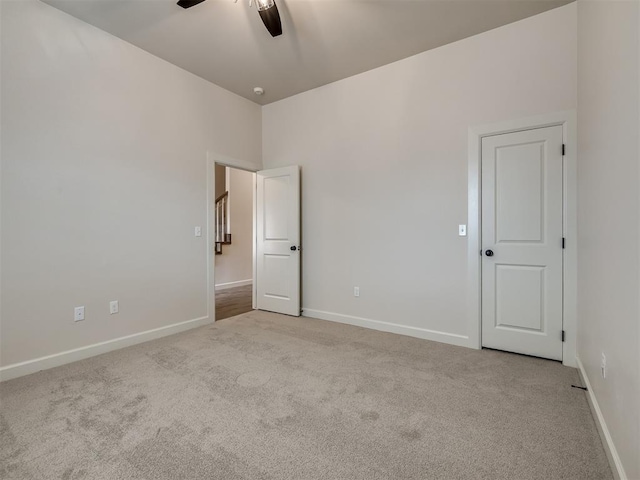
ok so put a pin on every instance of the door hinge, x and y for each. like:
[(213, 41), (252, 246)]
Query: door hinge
[(563, 335), (563, 149), (563, 242)]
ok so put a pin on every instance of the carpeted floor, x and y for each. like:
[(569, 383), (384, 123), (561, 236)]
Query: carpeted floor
[(273, 397), (233, 301)]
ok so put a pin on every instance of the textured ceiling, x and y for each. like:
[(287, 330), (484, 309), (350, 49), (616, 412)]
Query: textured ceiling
[(323, 40)]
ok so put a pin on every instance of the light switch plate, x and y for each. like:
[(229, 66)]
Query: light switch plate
[(198, 231), (462, 230)]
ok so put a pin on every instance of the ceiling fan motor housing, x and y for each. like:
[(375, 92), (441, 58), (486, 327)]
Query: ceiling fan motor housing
[(271, 19), (268, 13)]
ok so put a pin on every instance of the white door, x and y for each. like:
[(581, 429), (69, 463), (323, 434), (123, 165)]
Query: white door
[(522, 242), (278, 240)]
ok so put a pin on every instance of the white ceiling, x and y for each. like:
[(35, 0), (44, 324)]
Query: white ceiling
[(323, 40)]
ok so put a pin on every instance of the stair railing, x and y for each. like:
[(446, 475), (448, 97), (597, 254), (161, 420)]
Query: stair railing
[(223, 235)]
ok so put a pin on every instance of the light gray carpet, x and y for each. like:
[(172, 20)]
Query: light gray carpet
[(272, 397), (233, 301)]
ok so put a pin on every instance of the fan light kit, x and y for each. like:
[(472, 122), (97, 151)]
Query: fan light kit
[(267, 9)]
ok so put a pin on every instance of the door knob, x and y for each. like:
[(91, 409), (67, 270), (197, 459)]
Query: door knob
[(293, 248), (489, 253)]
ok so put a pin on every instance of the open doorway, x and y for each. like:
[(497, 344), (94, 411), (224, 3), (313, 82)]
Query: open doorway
[(234, 238)]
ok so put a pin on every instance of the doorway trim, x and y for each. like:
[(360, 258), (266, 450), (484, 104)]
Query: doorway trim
[(213, 159), (566, 119)]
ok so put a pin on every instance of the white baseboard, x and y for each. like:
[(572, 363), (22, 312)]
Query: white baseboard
[(443, 337), (239, 283), (603, 430), (50, 361)]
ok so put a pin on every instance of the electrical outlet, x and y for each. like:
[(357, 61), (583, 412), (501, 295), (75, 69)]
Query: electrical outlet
[(78, 314), (603, 365), (197, 231), (113, 307), (356, 291)]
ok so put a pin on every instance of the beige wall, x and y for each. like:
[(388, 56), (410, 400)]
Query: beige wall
[(609, 215), (384, 169), (104, 168), (236, 262)]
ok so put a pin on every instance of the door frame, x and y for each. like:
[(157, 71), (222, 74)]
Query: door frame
[(566, 119), (213, 159)]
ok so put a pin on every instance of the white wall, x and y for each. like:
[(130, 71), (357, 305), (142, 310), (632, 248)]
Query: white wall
[(236, 262), (384, 169), (609, 215), (104, 176)]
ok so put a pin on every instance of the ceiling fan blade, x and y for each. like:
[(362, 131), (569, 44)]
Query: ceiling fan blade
[(271, 19), (189, 3)]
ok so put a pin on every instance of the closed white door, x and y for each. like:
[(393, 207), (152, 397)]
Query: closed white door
[(278, 240), (522, 242)]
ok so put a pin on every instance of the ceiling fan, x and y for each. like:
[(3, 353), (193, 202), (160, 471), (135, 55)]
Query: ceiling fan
[(267, 9)]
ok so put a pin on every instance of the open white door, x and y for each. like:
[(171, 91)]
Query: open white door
[(278, 240)]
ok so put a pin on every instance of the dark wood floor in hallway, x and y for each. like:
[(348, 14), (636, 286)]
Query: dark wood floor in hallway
[(233, 301)]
